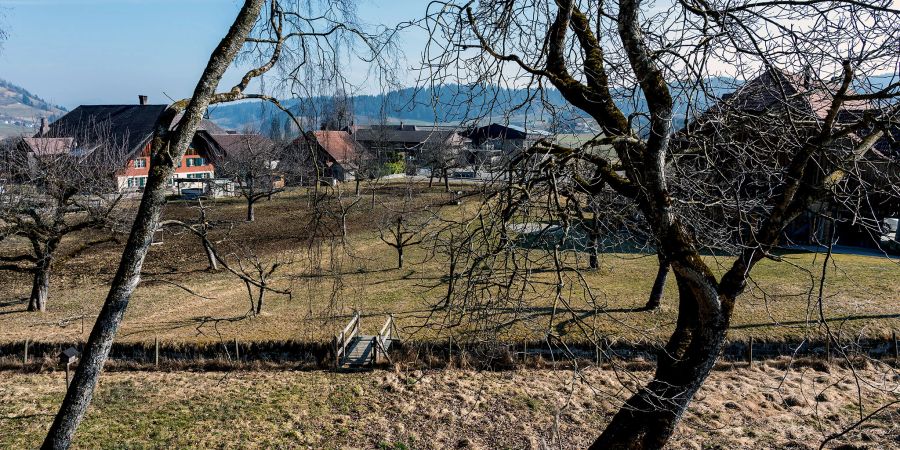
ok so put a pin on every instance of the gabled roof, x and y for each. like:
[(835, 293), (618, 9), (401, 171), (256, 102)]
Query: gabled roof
[(234, 145), (776, 88), (129, 126), (407, 137), (49, 146), (505, 132), (339, 145)]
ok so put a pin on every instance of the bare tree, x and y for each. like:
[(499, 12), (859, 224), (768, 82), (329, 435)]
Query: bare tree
[(733, 182), (272, 35), (55, 187), (252, 161), (202, 228), (403, 228), (441, 156)]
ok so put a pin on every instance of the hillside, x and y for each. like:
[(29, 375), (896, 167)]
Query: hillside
[(21, 111)]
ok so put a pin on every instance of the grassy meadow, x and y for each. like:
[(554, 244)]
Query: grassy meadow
[(179, 300)]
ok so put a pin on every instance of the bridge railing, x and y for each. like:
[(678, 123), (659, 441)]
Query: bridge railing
[(384, 339), (344, 338)]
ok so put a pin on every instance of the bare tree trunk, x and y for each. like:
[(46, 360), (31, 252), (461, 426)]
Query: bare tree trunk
[(594, 254), (357, 187), (447, 180), (251, 210), (210, 256), (40, 288), (649, 417), (259, 300), (399, 256), (658, 285), (164, 151)]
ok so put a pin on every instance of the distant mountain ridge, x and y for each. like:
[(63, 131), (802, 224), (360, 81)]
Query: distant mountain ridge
[(452, 104), (446, 104), (21, 111)]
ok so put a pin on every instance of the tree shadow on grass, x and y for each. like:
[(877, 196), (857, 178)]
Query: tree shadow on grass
[(812, 321), (16, 302)]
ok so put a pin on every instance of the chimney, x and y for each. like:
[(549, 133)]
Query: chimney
[(142, 99), (44, 127)]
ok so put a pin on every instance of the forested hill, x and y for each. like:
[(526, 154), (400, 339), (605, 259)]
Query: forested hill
[(21, 111), (447, 104), (444, 104)]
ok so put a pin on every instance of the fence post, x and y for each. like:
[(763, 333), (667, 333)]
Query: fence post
[(375, 350), (237, 352), (896, 347), (604, 347), (156, 351), (750, 353), (828, 349), (25, 358)]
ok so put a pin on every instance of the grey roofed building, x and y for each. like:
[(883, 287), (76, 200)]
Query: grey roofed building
[(402, 138), (234, 145), (130, 126), (126, 131)]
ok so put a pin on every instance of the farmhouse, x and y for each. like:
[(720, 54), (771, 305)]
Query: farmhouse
[(491, 143), (247, 158), (130, 128), (758, 111), (408, 141), (335, 154)]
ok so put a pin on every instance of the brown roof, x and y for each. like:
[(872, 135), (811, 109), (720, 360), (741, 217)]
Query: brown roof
[(234, 145), (49, 146), (776, 87), (340, 145)]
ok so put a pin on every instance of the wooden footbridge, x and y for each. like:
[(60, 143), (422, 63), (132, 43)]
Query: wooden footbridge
[(354, 350)]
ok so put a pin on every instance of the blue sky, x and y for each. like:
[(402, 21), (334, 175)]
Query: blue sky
[(73, 52)]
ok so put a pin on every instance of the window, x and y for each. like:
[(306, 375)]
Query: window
[(199, 161), (131, 182), (142, 181), (140, 163), (190, 162)]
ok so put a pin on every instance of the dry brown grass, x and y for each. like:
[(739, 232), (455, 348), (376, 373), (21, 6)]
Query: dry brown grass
[(861, 297), (762, 407)]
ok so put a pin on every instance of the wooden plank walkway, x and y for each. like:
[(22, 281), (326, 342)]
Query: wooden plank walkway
[(352, 349), (360, 351)]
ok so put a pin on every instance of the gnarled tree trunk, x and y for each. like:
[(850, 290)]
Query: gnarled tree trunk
[(40, 288), (648, 419), (210, 256)]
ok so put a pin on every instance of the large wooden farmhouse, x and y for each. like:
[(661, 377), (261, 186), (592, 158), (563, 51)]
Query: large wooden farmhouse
[(130, 127)]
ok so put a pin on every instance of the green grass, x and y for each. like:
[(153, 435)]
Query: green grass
[(860, 296)]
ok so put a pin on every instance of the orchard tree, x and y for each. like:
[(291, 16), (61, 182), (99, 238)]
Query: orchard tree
[(729, 178), (55, 187), (251, 161), (274, 33)]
